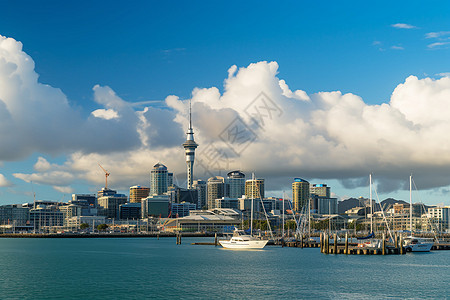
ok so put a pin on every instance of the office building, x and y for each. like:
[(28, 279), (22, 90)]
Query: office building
[(320, 189), (46, 216), (200, 186), (180, 210), (109, 205), (159, 180), (300, 194), (254, 188), (157, 206), (226, 202), (14, 213), (91, 199), (215, 190), (137, 193), (130, 211), (235, 184)]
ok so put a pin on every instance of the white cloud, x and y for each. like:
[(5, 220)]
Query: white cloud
[(397, 48), (324, 135), (107, 114), (438, 34), (36, 117), (437, 45), (403, 26), (5, 182)]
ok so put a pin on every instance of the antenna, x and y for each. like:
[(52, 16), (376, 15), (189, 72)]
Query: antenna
[(190, 114)]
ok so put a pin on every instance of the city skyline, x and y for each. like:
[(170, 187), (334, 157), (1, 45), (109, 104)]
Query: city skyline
[(328, 100)]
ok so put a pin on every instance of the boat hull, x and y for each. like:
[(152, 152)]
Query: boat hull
[(259, 244), (423, 247)]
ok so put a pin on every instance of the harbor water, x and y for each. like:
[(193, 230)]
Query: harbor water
[(131, 268)]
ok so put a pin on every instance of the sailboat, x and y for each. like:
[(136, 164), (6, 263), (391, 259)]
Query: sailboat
[(412, 243), (241, 240), (370, 241)]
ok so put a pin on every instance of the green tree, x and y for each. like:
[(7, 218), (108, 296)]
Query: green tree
[(102, 227), (84, 226)]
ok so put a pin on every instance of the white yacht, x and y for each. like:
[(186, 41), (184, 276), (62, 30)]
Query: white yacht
[(412, 243), (416, 244), (241, 240)]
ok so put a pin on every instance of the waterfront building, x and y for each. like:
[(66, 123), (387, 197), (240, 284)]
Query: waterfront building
[(74, 223), (300, 194), (204, 221), (227, 202), (189, 146), (110, 205), (14, 214), (155, 206), (254, 188), (320, 189), (44, 216), (70, 211), (91, 199), (137, 193), (180, 210), (159, 180), (215, 190), (130, 211), (235, 184), (439, 217), (200, 186)]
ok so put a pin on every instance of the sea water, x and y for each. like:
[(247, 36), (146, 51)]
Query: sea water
[(131, 268)]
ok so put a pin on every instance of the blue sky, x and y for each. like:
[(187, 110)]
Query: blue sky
[(148, 50)]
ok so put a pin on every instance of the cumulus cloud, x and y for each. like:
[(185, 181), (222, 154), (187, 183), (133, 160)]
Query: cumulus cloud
[(36, 117), (258, 123), (397, 48), (5, 182), (403, 26)]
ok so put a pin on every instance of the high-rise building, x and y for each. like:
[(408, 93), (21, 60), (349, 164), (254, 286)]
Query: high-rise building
[(89, 198), (215, 190), (169, 179), (320, 189), (235, 184), (254, 188), (158, 179), (300, 194), (155, 206), (137, 193), (200, 186), (189, 146), (109, 205)]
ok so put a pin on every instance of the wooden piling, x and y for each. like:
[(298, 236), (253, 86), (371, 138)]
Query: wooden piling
[(346, 243), (328, 244), (400, 246), (383, 246), (321, 242), (215, 239), (335, 244)]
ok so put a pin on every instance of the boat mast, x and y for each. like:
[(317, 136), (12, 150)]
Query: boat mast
[(251, 213), (410, 203), (283, 215), (371, 206)]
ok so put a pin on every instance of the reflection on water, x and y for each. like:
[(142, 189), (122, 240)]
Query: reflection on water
[(149, 268)]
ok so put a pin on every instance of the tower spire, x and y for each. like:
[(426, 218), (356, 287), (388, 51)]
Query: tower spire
[(189, 147), (190, 115)]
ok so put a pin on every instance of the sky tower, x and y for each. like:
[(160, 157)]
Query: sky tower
[(189, 148)]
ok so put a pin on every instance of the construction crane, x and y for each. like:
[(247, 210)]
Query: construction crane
[(106, 176)]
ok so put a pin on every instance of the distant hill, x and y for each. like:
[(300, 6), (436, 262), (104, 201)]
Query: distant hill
[(350, 203)]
